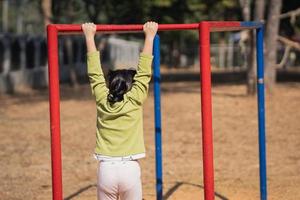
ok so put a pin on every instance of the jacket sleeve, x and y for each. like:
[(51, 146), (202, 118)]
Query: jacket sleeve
[(96, 77), (139, 90)]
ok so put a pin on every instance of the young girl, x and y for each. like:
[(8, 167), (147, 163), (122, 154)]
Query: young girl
[(119, 137)]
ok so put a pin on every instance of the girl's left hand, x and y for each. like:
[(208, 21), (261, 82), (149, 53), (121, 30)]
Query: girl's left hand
[(89, 29), (150, 29)]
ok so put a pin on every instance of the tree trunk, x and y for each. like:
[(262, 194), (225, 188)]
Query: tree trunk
[(20, 17), (259, 10), (5, 6), (47, 11), (251, 72), (271, 43), (245, 4), (249, 51)]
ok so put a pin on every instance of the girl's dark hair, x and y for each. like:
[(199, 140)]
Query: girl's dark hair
[(119, 82)]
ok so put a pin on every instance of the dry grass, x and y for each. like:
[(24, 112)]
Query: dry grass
[(25, 169)]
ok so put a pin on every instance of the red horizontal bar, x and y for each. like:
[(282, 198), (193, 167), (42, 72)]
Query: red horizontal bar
[(124, 28), (213, 26), (225, 26), (230, 26), (216, 24)]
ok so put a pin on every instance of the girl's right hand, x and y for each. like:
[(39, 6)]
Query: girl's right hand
[(89, 29), (150, 29)]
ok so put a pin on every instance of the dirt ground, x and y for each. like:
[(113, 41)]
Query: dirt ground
[(25, 169)]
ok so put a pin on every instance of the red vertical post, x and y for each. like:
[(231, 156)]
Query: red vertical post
[(52, 42), (206, 106)]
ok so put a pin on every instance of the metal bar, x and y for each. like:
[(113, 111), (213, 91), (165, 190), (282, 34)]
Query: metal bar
[(125, 28), (216, 26), (157, 110), (252, 24), (204, 29), (261, 112), (54, 100), (206, 106)]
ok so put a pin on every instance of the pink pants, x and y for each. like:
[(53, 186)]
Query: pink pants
[(119, 180)]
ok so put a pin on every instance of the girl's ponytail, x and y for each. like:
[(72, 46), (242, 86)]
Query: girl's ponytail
[(116, 96), (119, 82)]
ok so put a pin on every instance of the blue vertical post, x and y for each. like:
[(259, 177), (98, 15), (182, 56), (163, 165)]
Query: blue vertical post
[(158, 149), (261, 111)]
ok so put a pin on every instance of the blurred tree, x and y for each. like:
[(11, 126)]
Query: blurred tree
[(245, 4), (5, 8), (222, 10), (287, 27), (68, 11), (162, 11), (93, 9), (290, 20), (46, 8), (259, 8), (118, 11), (249, 47), (20, 16), (178, 11), (131, 12), (272, 30)]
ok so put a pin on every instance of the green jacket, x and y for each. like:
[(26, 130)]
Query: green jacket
[(119, 125)]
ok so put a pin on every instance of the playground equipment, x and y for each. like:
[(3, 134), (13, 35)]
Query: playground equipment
[(204, 29)]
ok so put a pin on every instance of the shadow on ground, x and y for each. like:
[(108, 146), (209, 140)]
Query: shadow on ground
[(179, 184), (166, 196)]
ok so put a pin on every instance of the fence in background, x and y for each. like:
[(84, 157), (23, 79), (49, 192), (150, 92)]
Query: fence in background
[(23, 59), (22, 62)]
